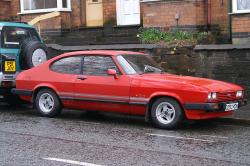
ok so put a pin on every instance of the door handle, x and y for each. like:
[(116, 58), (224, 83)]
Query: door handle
[(81, 78)]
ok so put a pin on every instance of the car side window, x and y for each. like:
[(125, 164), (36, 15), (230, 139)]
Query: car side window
[(69, 65), (98, 65)]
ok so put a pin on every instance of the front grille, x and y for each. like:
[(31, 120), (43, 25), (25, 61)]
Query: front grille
[(226, 96)]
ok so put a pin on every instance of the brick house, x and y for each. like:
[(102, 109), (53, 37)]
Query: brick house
[(230, 17)]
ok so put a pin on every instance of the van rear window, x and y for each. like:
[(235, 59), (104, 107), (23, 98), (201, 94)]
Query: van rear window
[(13, 37)]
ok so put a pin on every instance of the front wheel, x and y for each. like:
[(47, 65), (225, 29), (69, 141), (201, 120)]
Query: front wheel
[(166, 113), (47, 103)]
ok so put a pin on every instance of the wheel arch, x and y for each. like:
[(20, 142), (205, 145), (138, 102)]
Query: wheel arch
[(156, 96), (43, 86)]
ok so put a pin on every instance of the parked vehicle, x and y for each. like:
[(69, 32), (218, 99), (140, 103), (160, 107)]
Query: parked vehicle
[(125, 82), (21, 48)]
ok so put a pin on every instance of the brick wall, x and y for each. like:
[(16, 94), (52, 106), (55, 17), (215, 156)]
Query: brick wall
[(193, 16), (219, 16), (109, 10), (241, 28), (163, 13), (192, 12), (78, 14), (4, 11), (15, 8), (51, 26), (66, 20)]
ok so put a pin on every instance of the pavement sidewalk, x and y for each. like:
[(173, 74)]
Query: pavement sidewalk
[(241, 115)]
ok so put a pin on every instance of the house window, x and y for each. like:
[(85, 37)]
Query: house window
[(241, 6), (39, 6)]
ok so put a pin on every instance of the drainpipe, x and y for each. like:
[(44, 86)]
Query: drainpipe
[(209, 14), (230, 20)]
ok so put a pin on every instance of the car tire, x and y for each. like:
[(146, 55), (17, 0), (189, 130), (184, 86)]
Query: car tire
[(12, 100), (32, 54), (166, 113), (48, 103)]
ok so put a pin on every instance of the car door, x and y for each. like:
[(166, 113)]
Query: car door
[(64, 72), (96, 90)]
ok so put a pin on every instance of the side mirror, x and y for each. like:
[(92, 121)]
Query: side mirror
[(113, 73)]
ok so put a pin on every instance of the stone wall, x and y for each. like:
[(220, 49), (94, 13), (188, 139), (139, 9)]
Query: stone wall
[(97, 36), (229, 63)]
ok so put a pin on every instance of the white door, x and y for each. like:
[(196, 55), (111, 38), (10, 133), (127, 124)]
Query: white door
[(128, 12)]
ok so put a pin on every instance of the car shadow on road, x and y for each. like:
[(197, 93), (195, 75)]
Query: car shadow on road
[(103, 118)]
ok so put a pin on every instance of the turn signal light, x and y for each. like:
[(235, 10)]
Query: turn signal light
[(239, 94), (212, 96)]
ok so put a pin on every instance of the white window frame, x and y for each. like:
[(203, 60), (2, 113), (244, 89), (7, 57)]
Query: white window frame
[(235, 8), (58, 8)]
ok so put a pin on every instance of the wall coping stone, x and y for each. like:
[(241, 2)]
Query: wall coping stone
[(221, 47), (103, 47)]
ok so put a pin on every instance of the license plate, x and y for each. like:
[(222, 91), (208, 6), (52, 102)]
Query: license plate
[(232, 106), (10, 66)]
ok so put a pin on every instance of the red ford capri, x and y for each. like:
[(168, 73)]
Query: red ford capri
[(125, 82)]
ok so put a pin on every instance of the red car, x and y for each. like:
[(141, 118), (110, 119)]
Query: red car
[(125, 82)]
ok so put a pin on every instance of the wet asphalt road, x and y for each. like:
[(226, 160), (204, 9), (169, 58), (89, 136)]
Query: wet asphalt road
[(81, 138)]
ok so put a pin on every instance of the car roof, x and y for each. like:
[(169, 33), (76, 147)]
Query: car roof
[(100, 52), (16, 24)]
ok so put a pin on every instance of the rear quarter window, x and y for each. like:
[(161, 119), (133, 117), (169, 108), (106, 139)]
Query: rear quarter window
[(68, 65)]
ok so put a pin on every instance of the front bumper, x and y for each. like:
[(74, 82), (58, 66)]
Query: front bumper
[(213, 107)]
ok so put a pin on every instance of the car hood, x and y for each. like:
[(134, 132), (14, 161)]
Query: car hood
[(208, 84)]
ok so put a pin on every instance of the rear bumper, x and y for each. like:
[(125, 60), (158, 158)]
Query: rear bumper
[(212, 107), (4, 91), (7, 81)]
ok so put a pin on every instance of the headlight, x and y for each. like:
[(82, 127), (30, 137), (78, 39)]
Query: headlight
[(239, 93), (212, 96)]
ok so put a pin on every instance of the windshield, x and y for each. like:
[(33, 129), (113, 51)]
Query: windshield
[(138, 64)]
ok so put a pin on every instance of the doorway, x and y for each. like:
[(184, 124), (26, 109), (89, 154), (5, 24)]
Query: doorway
[(94, 13), (128, 12)]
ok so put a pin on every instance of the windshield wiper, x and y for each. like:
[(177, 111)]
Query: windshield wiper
[(151, 69)]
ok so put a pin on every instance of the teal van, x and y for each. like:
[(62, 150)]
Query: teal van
[(21, 48)]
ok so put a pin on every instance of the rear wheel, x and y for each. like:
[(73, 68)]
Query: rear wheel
[(47, 103), (166, 113)]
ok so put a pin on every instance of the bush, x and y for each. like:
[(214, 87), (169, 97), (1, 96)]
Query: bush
[(153, 35)]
